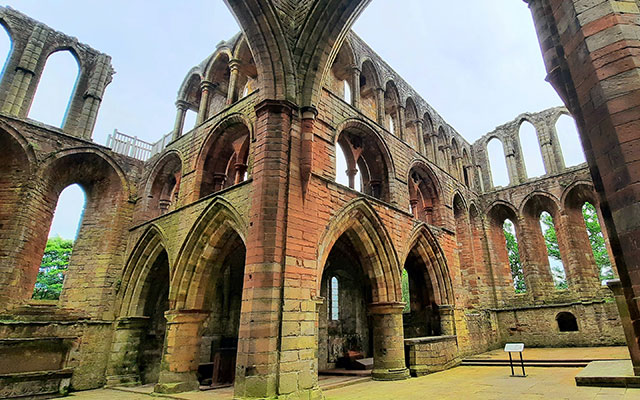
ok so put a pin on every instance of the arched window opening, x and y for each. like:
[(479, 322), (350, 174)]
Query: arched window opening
[(391, 107), (567, 322), (190, 119), (247, 72), (245, 90), (570, 143), (369, 85), (466, 164), (224, 160), (553, 251), (428, 138), (366, 161), (497, 163), (406, 294), (165, 186), (424, 196), (411, 125), (347, 92), (335, 299), (6, 45), (341, 76), (55, 88), (390, 124), (511, 240), (342, 171), (531, 152), (597, 241), (62, 235)]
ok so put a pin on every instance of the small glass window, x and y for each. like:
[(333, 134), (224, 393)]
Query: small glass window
[(334, 299)]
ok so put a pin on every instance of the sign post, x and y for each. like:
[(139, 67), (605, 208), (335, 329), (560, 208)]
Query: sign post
[(515, 348)]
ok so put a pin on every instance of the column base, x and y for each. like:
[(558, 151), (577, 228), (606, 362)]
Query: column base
[(311, 394), (390, 374), (123, 380), (176, 382)]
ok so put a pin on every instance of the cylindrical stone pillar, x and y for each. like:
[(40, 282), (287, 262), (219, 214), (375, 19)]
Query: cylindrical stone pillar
[(234, 66), (388, 342), (182, 351), (205, 90), (181, 107), (355, 87), (380, 104), (447, 323)]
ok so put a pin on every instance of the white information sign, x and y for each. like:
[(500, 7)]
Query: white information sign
[(514, 347)]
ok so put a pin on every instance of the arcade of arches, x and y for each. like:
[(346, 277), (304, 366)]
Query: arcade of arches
[(233, 254)]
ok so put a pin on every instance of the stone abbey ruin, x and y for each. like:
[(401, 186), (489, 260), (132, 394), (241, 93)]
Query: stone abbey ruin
[(232, 247)]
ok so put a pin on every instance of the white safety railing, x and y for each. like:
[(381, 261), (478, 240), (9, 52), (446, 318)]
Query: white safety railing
[(158, 146), (129, 145)]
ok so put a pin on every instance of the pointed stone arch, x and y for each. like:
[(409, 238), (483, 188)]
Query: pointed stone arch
[(136, 271), (425, 244), (223, 157), (202, 252), (367, 233)]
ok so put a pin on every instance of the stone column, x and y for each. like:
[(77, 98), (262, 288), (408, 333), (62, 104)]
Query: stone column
[(434, 144), (546, 148), (400, 129), (20, 95), (582, 272), (627, 323), (241, 169), (206, 88), (87, 97), (123, 361), (512, 166), (447, 320), (257, 368), (380, 104), (351, 173), (234, 65), (534, 258), (420, 138), (606, 110), (388, 342), (182, 351), (182, 107), (355, 86)]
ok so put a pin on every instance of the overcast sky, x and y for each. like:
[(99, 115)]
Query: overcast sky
[(477, 62)]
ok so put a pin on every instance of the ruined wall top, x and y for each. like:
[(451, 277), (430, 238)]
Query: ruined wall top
[(32, 43)]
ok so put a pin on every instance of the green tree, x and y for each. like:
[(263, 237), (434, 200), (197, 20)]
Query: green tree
[(514, 257), (53, 268), (596, 238)]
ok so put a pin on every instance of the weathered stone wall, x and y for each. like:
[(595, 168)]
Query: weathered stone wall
[(425, 205), (598, 325)]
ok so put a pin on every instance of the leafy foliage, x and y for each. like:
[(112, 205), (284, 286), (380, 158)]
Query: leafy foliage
[(514, 257), (53, 268), (596, 238), (553, 250)]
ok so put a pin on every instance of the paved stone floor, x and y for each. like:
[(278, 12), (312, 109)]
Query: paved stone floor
[(563, 353), (467, 383)]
